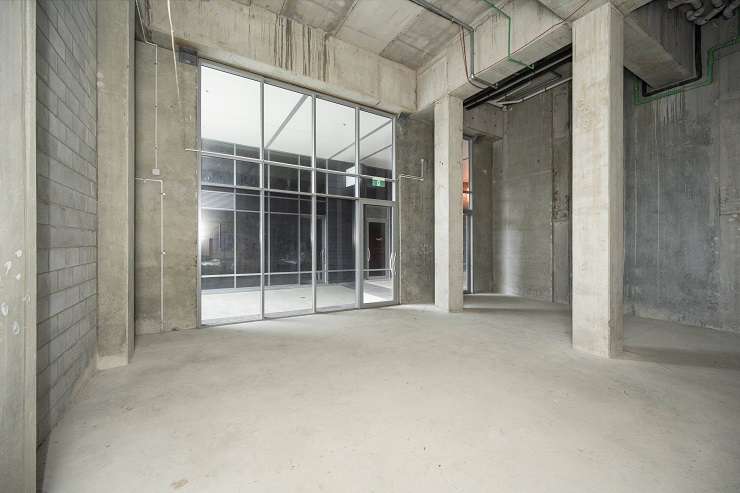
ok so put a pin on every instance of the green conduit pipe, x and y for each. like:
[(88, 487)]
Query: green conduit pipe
[(508, 20), (712, 58)]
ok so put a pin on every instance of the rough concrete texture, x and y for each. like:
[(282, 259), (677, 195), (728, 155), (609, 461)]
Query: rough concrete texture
[(598, 181), (282, 48), (681, 217), (522, 197), (414, 143), (448, 217), (115, 182), (659, 44), (484, 120), (18, 247), (491, 399), (655, 36), (67, 202), (561, 193), (535, 32), (482, 168), (400, 31), (575, 9), (176, 131), (531, 200)]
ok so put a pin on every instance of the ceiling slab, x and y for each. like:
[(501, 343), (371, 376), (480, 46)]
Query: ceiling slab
[(326, 15), (399, 30), (373, 24), (423, 39), (571, 10)]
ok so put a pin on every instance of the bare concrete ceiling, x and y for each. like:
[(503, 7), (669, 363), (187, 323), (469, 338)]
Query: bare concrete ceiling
[(395, 29)]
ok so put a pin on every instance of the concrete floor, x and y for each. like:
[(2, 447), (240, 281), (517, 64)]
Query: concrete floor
[(406, 399)]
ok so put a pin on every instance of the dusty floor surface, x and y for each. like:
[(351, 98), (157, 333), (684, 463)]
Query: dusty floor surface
[(407, 399)]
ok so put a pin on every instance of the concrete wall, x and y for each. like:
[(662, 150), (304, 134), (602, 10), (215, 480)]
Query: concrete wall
[(67, 202), (414, 142), (18, 247), (115, 183), (482, 162), (176, 131), (531, 199), (248, 36), (682, 207)]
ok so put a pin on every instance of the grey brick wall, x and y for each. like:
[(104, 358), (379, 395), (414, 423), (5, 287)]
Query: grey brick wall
[(67, 202)]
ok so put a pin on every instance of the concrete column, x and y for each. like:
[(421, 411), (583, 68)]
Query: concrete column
[(115, 182), (598, 181), (448, 216), (18, 246)]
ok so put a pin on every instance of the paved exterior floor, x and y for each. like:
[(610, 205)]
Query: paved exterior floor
[(226, 306), (407, 399)]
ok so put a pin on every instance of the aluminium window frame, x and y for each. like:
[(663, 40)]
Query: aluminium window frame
[(470, 213), (264, 190)]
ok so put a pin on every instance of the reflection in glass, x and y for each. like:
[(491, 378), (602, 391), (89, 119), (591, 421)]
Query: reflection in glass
[(216, 242), (335, 136), (273, 228), (376, 145), (287, 126), (287, 253), (247, 174), (217, 171), (379, 255), (290, 179), (335, 255), (466, 174), (467, 217), (334, 184), (230, 113), (247, 242), (376, 188)]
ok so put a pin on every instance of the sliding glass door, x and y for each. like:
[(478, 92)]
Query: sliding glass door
[(296, 201)]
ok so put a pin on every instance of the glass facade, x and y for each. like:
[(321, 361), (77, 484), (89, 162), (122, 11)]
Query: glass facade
[(296, 201)]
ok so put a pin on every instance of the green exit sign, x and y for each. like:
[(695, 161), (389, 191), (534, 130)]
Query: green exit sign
[(378, 183)]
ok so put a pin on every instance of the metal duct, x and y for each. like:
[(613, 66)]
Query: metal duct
[(702, 11), (693, 15), (718, 7), (730, 9), (697, 4)]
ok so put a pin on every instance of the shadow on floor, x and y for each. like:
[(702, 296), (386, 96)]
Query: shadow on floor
[(489, 310), (683, 357), (487, 303)]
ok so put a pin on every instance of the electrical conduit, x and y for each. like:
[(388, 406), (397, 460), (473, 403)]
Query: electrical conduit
[(712, 58)]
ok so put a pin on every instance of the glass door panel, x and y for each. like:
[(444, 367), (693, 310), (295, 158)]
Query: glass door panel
[(379, 255), (335, 259), (287, 252), (467, 253)]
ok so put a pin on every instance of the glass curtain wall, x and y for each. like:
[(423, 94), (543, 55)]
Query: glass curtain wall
[(467, 197), (288, 180)]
